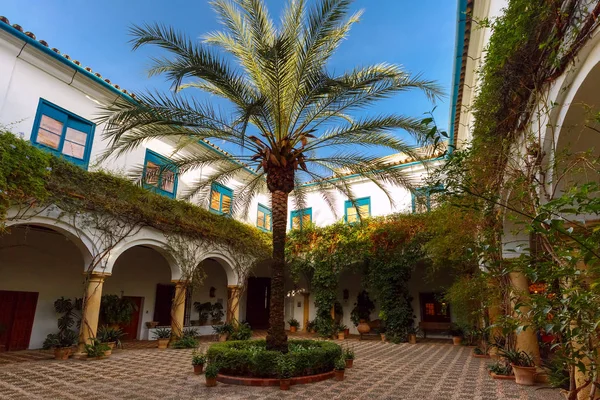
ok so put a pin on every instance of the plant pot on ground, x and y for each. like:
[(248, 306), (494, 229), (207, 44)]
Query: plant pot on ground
[(110, 336), (294, 325), (362, 312), (203, 310), (342, 332), (163, 335), (349, 357), (457, 334), (198, 361), (523, 366), (212, 370), (151, 324), (62, 343), (340, 368), (223, 331), (96, 349), (216, 313), (285, 369)]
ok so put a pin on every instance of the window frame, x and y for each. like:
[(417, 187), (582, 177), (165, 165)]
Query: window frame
[(428, 191), (266, 211), (159, 160), (221, 189), (359, 202), (300, 213), (69, 120)]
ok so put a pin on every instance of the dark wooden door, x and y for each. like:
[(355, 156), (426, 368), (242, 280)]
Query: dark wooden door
[(131, 330), (258, 302), (162, 304), (433, 309), (17, 312)]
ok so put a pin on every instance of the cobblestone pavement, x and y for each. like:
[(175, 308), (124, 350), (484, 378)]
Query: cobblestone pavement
[(381, 371)]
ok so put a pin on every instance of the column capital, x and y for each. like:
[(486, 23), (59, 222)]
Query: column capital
[(180, 283), (97, 276)]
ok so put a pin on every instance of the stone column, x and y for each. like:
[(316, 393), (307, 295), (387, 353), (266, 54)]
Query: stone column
[(178, 308), (306, 312), (91, 311), (527, 339), (233, 303)]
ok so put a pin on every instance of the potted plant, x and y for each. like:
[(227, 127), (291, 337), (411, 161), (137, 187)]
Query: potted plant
[(346, 331), (110, 336), (163, 335), (115, 310), (62, 343), (457, 333), (339, 367), (342, 332), (361, 312), (501, 370), (349, 357), (294, 324), (310, 326), (223, 331), (523, 366), (216, 313), (198, 361), (96, 349), (212, 370), (285, 369), (203, 310), (381, 332), (412, 332)]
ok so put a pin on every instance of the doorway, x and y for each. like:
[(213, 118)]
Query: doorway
[(130, 331), (17, 312), (258, 302), (433, 309)]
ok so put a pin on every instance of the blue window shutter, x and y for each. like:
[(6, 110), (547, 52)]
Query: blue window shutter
[(300, 213), (68, 120), (265, 219), (222, 191), (363, 201), (161, 162)]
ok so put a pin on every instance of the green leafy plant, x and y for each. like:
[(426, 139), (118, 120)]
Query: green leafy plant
[(216, 313), (340, 364), (518, 358), (349, 354), (500, 368), (62, 339), (69, 311), (310, 325), (107, 334), (189, 332), (285, 367), (198, 358), (96, 348), (223, 329), (242, 331), (456, 330), (212, 370), (185, 342), (294, 322), (162, 333), (203, 310), (115, 310)]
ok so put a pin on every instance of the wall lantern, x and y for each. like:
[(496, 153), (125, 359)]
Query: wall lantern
[(212, 291)]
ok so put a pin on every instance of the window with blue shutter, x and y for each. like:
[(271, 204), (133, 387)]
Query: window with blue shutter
[(220, 199), (263, 218), (301, 218), (160, 175), (352, 215)]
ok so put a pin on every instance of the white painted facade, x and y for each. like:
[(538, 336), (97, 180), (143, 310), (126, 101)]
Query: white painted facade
[(49, 255)]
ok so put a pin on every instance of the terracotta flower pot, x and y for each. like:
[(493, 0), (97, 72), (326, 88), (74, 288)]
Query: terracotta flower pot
[(456, 340), (524, 375), (347, 332), (284, 384), (210, 382), (62, 353), (349, 363), (163, 343), (363, 327), (339, 375), (111, 345), (382, 337), (198, 369), (312, 331), (412, 338), (341, 336), (222, 338), (293, 329)]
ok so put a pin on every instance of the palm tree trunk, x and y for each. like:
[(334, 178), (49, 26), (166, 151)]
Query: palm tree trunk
[(276, 337)]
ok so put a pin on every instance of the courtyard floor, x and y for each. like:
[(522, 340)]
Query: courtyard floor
[(381, 371)]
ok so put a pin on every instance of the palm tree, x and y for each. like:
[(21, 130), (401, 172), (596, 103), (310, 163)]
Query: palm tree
[(287, 108)]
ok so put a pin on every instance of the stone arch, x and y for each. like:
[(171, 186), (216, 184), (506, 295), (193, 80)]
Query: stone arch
[(153, 243), (78, 237), (227, 264)]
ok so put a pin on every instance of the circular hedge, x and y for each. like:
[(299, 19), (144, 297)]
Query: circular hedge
[(251, 358)]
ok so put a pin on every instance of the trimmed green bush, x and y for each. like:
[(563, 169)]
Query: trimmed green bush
[(251, 358)]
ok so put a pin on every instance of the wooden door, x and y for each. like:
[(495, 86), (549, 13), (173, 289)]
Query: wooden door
[(17, 312), (131, 330), (258, 302), (163, 303)]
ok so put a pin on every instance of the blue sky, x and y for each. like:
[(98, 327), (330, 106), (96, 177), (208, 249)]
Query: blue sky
[(419, 35)]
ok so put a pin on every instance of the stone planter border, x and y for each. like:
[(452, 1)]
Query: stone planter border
[(246, 381)]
